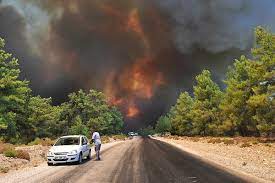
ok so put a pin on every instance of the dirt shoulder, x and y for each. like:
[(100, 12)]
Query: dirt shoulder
[(44, 173), (37, 156), (247, 155)]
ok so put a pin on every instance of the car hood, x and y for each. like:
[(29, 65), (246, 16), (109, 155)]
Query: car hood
[(64, 148)]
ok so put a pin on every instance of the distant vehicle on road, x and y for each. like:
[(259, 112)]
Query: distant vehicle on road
[(67, 149), (132, 134)]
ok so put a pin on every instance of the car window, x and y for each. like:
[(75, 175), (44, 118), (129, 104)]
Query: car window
[(83, 141), (68, 141), (86, 140)]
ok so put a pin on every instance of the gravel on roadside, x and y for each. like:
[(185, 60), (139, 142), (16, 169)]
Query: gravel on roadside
[(38, 173), (257, 160)]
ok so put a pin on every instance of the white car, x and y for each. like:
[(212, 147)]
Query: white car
[(67, 149)]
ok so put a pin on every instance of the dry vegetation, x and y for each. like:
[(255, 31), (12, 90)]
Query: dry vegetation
[(111, 138), (242, 141), (43, 142), (13, 157), (9, 150)]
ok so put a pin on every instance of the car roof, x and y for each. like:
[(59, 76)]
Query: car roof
[(72, 136)]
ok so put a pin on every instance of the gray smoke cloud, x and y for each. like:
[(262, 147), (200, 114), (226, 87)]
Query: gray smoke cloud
[(67, 45), (217, 25)]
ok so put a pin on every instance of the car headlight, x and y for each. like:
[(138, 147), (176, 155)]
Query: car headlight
[(50, 153), (74, 152)]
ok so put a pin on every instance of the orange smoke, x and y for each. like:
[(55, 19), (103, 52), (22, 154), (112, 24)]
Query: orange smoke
[(134, 25), (139, 81), (132, 111)]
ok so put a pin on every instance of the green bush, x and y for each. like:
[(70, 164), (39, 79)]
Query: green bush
[(10, 152), (14, 141), (36, 141)]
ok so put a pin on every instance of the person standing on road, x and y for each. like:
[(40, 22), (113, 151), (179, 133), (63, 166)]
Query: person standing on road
[(97, 141)]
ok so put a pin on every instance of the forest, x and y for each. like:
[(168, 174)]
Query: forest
[(245, 107), (24, 117)]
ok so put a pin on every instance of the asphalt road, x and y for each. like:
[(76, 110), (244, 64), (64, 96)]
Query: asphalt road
[(138, 160), (163, 163)]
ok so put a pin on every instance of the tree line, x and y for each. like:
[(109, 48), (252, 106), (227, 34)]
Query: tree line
[(24, 117), (245, 107)]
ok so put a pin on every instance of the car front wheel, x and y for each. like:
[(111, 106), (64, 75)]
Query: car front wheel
[(50, 164)]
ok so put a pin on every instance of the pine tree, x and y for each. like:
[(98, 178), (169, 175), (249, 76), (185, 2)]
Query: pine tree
[(207, 97), (13, 94), (180, 115), (262, 73), (163, 125)]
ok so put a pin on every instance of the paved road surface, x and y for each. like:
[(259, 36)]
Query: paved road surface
[(138, 160)]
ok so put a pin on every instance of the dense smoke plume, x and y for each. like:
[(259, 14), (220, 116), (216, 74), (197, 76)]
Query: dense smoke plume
[(140, 53)]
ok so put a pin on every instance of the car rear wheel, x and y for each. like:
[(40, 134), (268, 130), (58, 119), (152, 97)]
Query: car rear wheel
[(80, 158), (89, 155)]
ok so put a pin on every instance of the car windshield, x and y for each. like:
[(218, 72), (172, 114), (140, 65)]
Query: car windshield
[(68, 141)]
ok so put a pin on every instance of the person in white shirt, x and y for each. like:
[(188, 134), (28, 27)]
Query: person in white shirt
[(97, 141)]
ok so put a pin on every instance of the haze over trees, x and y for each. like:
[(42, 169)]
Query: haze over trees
[(24, 117), (246, 106)]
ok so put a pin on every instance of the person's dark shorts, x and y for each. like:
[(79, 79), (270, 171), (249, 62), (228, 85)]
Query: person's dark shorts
[(97, 147)]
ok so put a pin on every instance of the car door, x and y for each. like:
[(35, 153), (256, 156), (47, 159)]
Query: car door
[(88, 144), (84, 145)]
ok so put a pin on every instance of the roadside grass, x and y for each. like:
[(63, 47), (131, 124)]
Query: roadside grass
[(23, 155), (242, 141), (43, 142), (4, 169), (215, 141), (246, 144), (228, 141), (9, 150), (4, 147), (105, 139), (195, 139), (175, 137), (119, 137)]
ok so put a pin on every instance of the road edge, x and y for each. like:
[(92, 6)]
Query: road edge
[(244, 175), (42, 165)]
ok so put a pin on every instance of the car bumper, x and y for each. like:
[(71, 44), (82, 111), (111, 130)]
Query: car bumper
[(62, 159)]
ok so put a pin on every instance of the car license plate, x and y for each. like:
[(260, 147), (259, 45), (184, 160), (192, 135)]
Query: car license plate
[(60, 157)]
